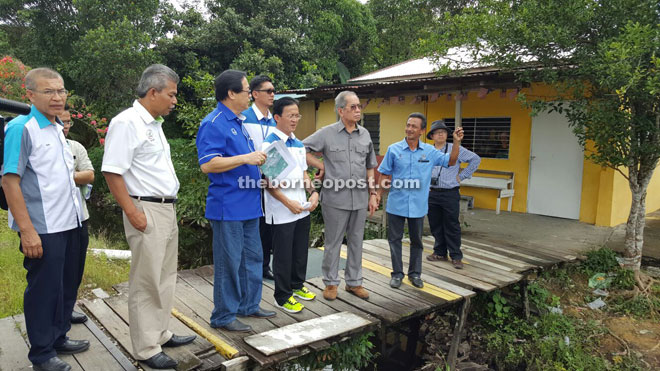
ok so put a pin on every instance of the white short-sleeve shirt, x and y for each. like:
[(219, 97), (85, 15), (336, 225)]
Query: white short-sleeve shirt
[(136, 148)]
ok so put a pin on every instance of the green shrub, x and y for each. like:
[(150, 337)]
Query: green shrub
[(602, 260)]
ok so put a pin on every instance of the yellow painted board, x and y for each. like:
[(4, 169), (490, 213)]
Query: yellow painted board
[(220, 345)]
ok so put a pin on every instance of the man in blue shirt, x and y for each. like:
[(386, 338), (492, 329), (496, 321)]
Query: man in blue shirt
[(259, 123), (445, 198), (233, 204), (406, 171)]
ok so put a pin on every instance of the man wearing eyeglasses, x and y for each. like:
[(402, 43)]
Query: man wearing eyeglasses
[(227, 154), (84, 177), (348, 167), (45, 209), (259, 123)]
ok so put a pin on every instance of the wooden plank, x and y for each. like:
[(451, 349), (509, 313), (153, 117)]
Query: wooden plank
[(13, 348), (97, 356), (534, 260), (237, 364), (448, 274), (409, 291), (20, 323), (544, 251), (521, 265), (520, 251), (306, 332), (108, 344)]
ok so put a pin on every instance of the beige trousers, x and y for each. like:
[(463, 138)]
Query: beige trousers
[(152, 277)]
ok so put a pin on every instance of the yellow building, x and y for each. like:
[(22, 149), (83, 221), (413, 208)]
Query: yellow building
[(551, 175)]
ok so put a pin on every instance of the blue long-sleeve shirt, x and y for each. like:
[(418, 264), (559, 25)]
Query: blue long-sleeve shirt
[(448, 175)]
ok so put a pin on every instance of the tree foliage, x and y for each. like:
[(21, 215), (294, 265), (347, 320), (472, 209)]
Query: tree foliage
[(602, 59)]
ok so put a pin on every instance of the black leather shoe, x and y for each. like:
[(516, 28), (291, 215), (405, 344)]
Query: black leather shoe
[(72, 347), (237, 326), (160, 361), (77, 317), (268, 274), (417, 282), (262, 313), (395, 282), (177, 341), (53, 364)]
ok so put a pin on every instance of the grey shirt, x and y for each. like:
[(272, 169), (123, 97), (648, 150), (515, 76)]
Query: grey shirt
[(345, 157)]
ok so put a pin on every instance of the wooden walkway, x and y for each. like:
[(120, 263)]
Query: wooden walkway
[(488, 266)]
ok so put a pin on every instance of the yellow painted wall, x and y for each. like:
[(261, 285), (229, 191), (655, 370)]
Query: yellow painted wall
[(307, 124), (605, 198)]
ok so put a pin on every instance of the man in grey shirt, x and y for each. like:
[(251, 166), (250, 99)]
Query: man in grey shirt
[(348, 191)]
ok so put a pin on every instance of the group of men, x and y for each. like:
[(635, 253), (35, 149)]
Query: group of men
[(249, 222)]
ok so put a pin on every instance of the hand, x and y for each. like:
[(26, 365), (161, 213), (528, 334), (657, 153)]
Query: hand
[(458, 135), (31, 244), (255, 158), (294, 206), (320, 174), (314, 201), (373, 204), (138, 220)]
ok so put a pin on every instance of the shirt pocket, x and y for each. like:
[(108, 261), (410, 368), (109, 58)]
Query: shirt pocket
[(150, 147), (361, 152), (337, 154)]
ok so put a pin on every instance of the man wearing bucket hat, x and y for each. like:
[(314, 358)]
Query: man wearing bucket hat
[(444, 197)]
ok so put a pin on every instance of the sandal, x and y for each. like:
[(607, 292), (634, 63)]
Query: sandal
[(436, 258)]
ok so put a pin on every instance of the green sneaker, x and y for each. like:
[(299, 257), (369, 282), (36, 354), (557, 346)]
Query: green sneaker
[(304, 294), (291, 306)]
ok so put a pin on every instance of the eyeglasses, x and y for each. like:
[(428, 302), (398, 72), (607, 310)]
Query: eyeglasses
[(354, 107), (267, 91), (70, 123), (51, 93), (294, 117), (242, 91)]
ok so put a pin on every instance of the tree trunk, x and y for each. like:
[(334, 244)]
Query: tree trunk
[(634, 242)]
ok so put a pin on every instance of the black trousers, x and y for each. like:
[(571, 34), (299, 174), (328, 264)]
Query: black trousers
[(52, 287), (444, 207), (395, 234), (290, 248), (266, 235)]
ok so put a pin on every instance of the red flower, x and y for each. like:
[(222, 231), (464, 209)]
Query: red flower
[(22, 86), (104, 119), (102, 141), (89, 115), (93, 122), (99, 130), (80, 115), (106, 130)]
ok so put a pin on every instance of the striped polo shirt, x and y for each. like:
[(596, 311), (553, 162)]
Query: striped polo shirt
[(258, 125), (36, 150)]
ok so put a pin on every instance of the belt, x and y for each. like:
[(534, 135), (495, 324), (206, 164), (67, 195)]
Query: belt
[(444, 189), (162, 200)]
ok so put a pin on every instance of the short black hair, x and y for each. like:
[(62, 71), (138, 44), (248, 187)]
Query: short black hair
[(280, 104), (226, 81), (66, 106), (420, 116), (257, 81)]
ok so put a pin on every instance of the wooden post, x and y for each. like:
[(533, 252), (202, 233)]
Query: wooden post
[(525, 282), (456, 339), (458, 115)]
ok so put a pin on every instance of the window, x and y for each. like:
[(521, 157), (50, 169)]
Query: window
[(371, 122), (486, 136)]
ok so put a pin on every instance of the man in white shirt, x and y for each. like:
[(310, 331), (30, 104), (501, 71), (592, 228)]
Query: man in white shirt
[(287, 211), (139, 171)]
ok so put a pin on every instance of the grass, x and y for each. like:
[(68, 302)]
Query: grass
[(99, 271)]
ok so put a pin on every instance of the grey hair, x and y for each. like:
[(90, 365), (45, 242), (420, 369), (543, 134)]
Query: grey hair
[(155, 76), (40, 73), (340, 100)]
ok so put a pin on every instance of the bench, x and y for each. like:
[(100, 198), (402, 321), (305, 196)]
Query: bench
[(502, 181)]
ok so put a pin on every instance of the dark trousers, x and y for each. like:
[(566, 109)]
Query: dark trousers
[(266, 235), (444, 208), (52, 287), (395, 234), (84, 242), (290, 247)]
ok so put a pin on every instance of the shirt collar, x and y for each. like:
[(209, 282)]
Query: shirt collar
[(144, 114), (404, 145), (41, 119), (340, 126), (229, 114), (280, 134), (260, 115)]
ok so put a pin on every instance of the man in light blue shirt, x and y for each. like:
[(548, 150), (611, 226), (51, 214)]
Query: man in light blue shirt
[(445, 198), (406, 171)]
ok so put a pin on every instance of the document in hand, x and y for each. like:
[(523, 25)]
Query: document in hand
[(279, 161)]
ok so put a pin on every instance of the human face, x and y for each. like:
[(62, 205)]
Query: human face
[(50, 105), (439, 137), (264, 95), (352, 112), (413, 128), (163, 102), (239, 101), (288, 122), (65, 117)]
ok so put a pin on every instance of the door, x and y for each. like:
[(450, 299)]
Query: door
[(555, 168)]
